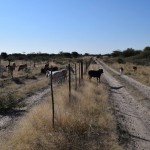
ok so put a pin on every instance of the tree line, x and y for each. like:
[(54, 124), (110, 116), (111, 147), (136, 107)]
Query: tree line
[(37, 56), (145, 53)]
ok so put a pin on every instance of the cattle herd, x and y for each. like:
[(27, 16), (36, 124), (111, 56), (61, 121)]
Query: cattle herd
[(58, 74), (121, 69), (11, 67)]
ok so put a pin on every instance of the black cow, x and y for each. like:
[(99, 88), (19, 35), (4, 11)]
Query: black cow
[(95, 74), (44, 70)]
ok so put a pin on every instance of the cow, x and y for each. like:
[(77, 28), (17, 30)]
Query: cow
[(22, 67), (44, 70), (64, 72), (46, 65), (57, 76), (71, 69), (95, 74), (134, 68), (11, 68), (121, 70)]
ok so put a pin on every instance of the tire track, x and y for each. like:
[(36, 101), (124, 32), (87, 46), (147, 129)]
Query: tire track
[(131, 113)]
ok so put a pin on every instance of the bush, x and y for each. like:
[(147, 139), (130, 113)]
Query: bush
[(7, 101), (121, 61)]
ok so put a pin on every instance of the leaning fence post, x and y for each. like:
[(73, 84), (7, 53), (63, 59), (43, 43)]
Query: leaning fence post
[(52, 99)]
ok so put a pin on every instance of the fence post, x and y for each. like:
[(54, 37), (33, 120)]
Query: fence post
[(86, 67), (52, 98), (75, 77), (69, 83), (79, 73), (81, 69)]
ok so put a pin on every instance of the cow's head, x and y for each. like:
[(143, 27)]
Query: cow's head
[(101, 71), (47, 73)]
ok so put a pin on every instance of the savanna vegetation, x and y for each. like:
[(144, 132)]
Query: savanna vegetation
[(138, 57), (24, 82), (129, 58), (86, 122)]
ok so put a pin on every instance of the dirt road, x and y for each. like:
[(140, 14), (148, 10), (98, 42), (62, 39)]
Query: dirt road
[(131, 103)]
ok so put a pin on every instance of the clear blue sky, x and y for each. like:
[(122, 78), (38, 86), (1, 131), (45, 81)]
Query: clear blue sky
[(84, 26)]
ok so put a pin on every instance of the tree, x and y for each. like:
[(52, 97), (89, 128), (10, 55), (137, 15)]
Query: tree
[(146, 52), (147, 49), (4, 55), (129, 52), (75, 54), (86, 54), (116, 53)]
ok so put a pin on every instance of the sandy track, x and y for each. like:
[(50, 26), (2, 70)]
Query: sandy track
[(131, 101)]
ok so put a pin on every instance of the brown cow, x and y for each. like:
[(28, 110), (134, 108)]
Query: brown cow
[(22, 67), (11, 68), (134, 68)]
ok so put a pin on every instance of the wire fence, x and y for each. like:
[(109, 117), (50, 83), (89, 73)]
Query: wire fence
[(80, 68)]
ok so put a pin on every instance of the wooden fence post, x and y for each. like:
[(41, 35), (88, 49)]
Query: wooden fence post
[(52, 99), (75, 77), (82, 70), (79, 73), (85, 67), (69, 83)]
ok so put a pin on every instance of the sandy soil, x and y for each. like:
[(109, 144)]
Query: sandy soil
[(131, 103)]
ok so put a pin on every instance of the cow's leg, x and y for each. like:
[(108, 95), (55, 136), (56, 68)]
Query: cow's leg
[(97, 80), (49, 80), (90, 77)]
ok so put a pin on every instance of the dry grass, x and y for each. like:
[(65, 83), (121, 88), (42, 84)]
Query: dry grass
[(85, 123), (32, 87), (21, 85), (9, 97), (142, 74), (26, 87)]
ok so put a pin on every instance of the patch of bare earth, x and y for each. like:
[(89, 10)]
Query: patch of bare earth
[(131, 103)]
